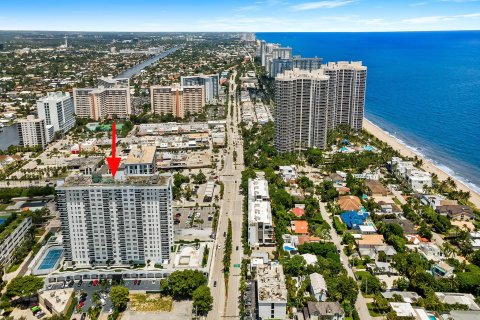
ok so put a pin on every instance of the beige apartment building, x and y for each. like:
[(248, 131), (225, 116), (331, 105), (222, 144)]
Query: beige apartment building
[(177, 100), (111, 98)]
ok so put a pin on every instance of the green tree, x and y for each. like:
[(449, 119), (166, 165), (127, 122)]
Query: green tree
[(24, 287), (295, 266), (202, 299), (181, 284), (119, 297), (200, 178)]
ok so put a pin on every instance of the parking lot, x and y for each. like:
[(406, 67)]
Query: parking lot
[(250, 300), (87, 287), (187, 226)]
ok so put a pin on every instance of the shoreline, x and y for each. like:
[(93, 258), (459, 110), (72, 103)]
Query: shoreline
[(428, 165)]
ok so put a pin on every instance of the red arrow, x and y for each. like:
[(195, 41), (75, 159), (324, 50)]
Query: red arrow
[(113, 161)]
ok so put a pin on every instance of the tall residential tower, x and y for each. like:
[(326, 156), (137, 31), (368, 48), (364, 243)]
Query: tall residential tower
[(117, 223), (309, 103)]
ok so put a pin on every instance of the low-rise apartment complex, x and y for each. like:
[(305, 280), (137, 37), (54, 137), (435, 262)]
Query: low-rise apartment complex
[(9, 241), (260, 225)]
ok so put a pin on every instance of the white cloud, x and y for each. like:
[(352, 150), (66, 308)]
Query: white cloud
[(435, 19), (321, 5), (247, 8), (416, 4)]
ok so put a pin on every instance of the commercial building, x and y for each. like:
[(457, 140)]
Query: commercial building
[(10, 241), (57, 110), (111, 98), (34, 132), (260, 224), (177, 100), (271, 292), (141, 161), (109, 222), (309, 103), (210, 84)]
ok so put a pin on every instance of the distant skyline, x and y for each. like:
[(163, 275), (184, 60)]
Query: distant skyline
[(247, 15)]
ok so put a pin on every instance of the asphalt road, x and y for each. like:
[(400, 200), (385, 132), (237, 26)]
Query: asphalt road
[(225, 302), (361, 304)]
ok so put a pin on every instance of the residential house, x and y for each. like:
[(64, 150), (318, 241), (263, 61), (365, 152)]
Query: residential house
[(349, 203), (299, 210), (370, 241), (379, 268), (443, 270), (407, 225), (310, 259), (323, 311), (456, 212), (431, 251), (407, 296), (318, 287), (436, 200), (376, 188), (354, 218), (289, 173), (299, 226), (466, 299)]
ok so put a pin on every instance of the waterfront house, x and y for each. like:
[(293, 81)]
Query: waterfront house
[(456, 212), (354, 218)]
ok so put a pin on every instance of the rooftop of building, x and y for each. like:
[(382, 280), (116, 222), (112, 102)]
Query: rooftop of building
[(271, 283), (58, 299), (55, 95), (97, 180), (141, 155)]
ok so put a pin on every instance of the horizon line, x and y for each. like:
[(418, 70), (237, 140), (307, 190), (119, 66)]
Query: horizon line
[(123, 31)]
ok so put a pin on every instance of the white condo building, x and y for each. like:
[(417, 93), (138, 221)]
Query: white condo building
[(260, 225), (416, 178), (13, 240), (34, 132), (116, 222), (57, 110)]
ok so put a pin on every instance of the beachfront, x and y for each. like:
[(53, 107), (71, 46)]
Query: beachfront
[(427, 165)]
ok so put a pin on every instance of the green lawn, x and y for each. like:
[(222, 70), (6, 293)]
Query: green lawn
[(361, 274)]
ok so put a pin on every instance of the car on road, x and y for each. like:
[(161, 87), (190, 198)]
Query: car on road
[(214, 283), (84, 315), (236, 248)]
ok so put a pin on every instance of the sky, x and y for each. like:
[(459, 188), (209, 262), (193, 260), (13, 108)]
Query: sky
[(246, 15)]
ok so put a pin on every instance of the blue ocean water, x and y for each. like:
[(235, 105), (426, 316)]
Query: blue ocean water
[(422, 87)]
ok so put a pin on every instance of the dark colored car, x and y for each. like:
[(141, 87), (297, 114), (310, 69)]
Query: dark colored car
[(84, 315)]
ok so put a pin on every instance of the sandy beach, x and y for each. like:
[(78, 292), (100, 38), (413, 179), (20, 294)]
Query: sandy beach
[(427, 165)]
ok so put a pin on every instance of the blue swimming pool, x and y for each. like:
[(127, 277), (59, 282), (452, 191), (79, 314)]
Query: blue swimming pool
[(2, 220), (288, 248), (51, 259)]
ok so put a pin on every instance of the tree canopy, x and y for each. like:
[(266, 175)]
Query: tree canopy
[(25, 286), (119, 297), (202, 299), (182, 284)]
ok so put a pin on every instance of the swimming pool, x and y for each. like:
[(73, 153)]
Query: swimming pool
[(2, 220), (50, 259), (288, 248)]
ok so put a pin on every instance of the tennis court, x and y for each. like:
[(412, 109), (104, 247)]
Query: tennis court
[(50, 259)]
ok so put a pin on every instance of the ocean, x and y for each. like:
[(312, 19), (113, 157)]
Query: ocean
[(422, 88)]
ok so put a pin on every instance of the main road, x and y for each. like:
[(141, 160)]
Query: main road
[(225, 297)]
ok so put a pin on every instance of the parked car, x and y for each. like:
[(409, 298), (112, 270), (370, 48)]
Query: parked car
[(214, 283), (84, 315)]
